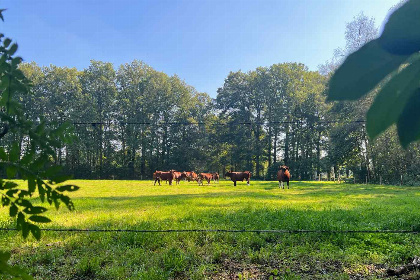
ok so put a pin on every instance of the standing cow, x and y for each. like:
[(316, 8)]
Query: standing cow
[(160, 175), (178, 176), (216, 177), (204, 176), (239, 176), (283, 175)]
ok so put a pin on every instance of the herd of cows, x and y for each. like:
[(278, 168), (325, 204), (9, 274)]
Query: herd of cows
[(283, 175)]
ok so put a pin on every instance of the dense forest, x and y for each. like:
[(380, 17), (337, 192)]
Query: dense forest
[(132, 120)]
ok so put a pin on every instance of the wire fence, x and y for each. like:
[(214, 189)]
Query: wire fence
[(272, 231)]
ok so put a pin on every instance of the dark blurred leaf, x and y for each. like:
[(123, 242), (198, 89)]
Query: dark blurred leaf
[(31, 185), (60, 179), (69, 188), (5, 201), (10, 185), (3, 155), (391, 100), (39, 219), (1, 14), (41, 190), (6, 42), (362, 71), (11, 171), (13, 49), (36, 232), (25, 229), (13, 210), (409, 121), (20, 221), (10, 193), (35, 210), (4, 256), (23, 202), (14, 153), (53, 170), (401, 34), (27, 158)]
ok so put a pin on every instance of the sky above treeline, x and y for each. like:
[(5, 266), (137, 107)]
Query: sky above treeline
[(200, 41)]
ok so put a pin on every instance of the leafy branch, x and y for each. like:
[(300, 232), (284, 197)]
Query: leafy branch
[(390, 64), (31, 157)]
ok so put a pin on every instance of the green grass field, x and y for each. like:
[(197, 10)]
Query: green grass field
[(262, 205)]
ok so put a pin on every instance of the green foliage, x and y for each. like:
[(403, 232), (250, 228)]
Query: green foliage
[(29, 155), (368, 67)]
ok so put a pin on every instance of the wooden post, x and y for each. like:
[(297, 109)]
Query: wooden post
[(380, 180), (319, 176), (401, 182), (366, 180)]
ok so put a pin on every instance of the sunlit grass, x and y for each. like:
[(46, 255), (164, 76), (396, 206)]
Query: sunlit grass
[(140, 205)]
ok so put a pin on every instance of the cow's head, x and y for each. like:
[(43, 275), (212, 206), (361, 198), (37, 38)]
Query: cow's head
[(283, 167)]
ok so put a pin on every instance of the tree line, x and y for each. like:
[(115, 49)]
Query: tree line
[(132, 120)]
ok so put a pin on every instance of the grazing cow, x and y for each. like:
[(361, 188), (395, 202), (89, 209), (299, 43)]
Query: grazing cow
[(178, 176), (191, 176), (204, 176), (283, 175), (239, 176), (161, 175), (216, 177)]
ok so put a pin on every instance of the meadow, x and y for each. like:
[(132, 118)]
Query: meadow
[(102, 204)]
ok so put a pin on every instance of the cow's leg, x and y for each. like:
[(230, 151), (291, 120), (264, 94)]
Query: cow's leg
[(234, 183), (247, 182), (279, 184), (287, 184)]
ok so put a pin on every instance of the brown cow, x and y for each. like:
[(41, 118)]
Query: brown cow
[(239, 176), (204, 176), (191, 176), (216, 177), (283, 175), (161, 175), (178, 176)]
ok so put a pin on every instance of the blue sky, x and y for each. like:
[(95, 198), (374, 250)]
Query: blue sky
[(200, 41)]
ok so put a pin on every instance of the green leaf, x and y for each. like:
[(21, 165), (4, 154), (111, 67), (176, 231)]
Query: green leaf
[(391, 100), (1, 14), (41, 190), (25, 229), (9, 185), (27, 158), (36, 232), (20, 221), (362, 71), (34, 210), (53, 170), (23, 202), (31, 185), (61, 179), (401, 33), (13, 49), (13, 210), (39, 219), (6, 42), (11, 171), (14, 153), (5, 201), (4, 256), (69, 188), (10, 193), (3, 155), (409, 122)]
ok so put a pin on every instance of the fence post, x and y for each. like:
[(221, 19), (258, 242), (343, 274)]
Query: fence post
[(380, 180), (366, 180), (401, 180)]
